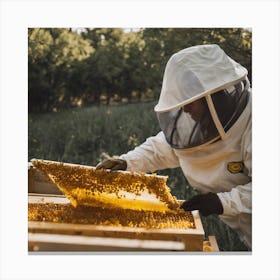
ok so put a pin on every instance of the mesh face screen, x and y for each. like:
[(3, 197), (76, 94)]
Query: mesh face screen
[(193, 125)]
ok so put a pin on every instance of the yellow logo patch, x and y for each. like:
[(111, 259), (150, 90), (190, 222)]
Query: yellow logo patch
[(235, 167)]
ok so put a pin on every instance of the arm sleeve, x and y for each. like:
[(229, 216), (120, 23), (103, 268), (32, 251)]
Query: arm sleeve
[(239, 199), (154, 154)]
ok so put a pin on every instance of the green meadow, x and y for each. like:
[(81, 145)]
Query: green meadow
[(85, 135)]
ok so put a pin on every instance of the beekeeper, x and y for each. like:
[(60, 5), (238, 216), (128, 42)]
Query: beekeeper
[(204, 112)]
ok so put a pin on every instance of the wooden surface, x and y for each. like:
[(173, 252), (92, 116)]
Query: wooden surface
[(213, 243), (60, 242), (47, 198), (38, 182), (91, 167), (44, 242)]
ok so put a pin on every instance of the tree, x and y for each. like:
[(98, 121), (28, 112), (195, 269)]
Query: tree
[(67, 68), (161, 43), (51, 53)]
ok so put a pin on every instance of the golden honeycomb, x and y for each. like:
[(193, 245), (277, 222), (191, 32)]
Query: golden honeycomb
[(66, 213), (87, 186)]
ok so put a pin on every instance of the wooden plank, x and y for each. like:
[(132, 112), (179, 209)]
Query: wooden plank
[(49, 198), (59, 242), (38, 182), (214, 244), (92, 167), (192, 242), (110, 231)]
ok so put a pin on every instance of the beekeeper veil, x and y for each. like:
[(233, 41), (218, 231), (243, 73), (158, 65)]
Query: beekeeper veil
[(203, 93)]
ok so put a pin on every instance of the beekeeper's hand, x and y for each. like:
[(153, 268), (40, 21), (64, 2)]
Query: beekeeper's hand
[(113, 164), (207, 204)]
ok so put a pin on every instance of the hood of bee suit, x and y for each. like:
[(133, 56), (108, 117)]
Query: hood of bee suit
[(195, 72)]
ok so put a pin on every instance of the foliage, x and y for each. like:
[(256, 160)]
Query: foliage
[(70, 69), (51, 54)]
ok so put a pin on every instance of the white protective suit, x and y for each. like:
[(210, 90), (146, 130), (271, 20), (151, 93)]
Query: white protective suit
[(221, 165)]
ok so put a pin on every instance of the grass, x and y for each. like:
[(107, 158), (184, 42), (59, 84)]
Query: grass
[(82, 135)]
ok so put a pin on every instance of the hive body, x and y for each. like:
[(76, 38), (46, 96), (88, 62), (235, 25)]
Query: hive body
[(104, 210)]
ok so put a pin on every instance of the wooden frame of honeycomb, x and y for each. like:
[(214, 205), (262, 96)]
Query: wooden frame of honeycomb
[(84, 185)]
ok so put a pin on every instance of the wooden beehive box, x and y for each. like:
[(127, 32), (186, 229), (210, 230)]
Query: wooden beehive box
[(53, 236)]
